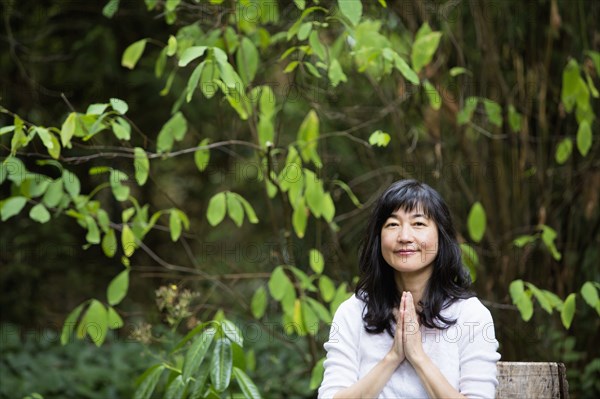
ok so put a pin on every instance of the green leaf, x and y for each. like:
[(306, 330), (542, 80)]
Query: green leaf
[(435, 100), (514, 119), (317, 46), (304, 30), (171, 46), (103, 221), (516, 289), (235, 210), (45, 136), (71, 183), (93, 234), (147, 382), (69, 325), (174, 225), (471, 259), (476, 222), (192, 84), (563, 150), (221, 365), (301, 4), (521, 299), (114, 320), (313, 193), (119, 105), (305, 281), (523, 240), (548, 237), (109, 243), (173, 130), (541, 297), (176, 388), (11, 207), (117, 289), (493, 111), (94, 323), (54, 152), (54, 193), (312, 69), (232, 332), (248, 209), (584, 137), (351, 9), (590, 294), (110, 8), (571, 79), (132, 53), (455, 71), (197, 352), (316, 261), (128, 241), (316, 375), (68, 129), (300, 218), (308, 135), (279, 283), (326, 288), (349, 192), (197, 388), (291, 66), (259, 303), (120, 192), (216, 209), (328, 208), (568, 311), (310, 320), (141, 164), (464, 115), (423, 50), (379, 138), (247, 60), (248, 388), (553, 299), (336, 73), (39, 213), (190, 54), (320, 310), (202, 156)]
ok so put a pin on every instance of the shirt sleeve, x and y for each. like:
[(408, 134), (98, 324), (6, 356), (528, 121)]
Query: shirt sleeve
[(478, 350), (341, 362)]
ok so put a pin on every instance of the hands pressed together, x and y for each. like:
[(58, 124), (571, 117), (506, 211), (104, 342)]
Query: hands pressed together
[(407, 341)]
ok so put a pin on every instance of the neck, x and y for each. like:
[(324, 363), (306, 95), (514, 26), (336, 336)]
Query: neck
[(413, 282)]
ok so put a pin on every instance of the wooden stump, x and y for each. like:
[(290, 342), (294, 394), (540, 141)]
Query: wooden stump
[(521, 380)]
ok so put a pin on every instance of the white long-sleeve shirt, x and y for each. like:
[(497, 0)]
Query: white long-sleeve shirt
[(465, 353)]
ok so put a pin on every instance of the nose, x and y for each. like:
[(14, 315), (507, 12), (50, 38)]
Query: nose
[(405, 235)]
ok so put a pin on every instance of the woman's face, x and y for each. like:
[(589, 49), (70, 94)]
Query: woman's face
[(409, 242)]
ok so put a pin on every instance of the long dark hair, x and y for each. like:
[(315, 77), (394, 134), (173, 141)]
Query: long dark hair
[(376, 286)]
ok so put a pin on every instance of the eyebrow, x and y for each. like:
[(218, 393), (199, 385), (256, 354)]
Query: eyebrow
[(412, 216)]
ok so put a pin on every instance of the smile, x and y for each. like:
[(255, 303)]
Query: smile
[(405, 252)]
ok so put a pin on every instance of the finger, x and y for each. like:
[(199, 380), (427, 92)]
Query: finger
[(410, 304)]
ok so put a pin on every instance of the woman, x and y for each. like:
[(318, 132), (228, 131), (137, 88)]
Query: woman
[(413, 329)]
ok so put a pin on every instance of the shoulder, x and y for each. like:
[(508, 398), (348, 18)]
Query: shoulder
[(470, 309), (351, 307), (347, 321)]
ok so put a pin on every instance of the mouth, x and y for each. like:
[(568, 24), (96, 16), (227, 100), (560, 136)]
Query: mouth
[(405, 252)]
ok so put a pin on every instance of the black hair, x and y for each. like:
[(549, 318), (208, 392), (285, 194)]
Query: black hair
[(376, 286)]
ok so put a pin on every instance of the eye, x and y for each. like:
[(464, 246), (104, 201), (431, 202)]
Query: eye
[(420, 224), (391, 224)]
